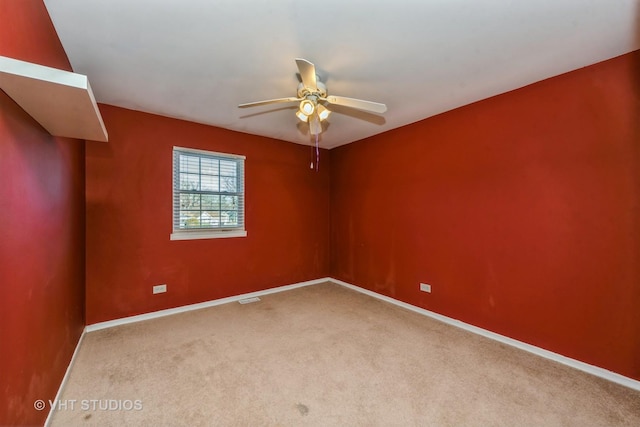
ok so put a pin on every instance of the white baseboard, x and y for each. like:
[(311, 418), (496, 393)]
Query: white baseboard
[(198, 306), (573, 363), (64, 379)]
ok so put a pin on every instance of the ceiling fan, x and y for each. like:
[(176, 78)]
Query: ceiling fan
[(312, 96)]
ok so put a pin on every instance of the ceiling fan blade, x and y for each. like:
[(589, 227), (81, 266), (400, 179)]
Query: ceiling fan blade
[(270, 101), (315, 127), (307, 73), (374, 107)]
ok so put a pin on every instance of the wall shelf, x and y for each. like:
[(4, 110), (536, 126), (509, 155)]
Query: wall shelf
[(61, 101)]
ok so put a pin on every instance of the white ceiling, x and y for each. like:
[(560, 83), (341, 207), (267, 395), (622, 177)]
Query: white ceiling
[(198, 59)]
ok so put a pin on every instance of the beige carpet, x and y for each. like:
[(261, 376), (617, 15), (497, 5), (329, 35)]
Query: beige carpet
[(324, 356)]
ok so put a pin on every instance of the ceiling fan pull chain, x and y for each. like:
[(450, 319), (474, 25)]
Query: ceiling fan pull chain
[(311, 163), (317, 154)]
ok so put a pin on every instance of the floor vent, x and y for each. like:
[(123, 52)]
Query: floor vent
[(249, 300)]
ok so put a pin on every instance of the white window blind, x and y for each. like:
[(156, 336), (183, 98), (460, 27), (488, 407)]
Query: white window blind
[(208, 194)]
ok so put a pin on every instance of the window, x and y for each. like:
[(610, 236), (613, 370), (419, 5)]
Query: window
[(208, 194)]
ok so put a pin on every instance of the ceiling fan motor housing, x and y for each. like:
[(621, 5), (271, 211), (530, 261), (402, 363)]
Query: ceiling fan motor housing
[(320, 92)]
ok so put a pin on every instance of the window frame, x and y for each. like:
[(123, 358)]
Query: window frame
[(206, 233)]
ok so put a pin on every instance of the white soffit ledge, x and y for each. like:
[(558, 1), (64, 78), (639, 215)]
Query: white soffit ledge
[(61, 101)]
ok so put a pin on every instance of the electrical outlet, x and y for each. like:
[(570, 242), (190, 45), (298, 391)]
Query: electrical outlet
[(158, 289), (425, 287)]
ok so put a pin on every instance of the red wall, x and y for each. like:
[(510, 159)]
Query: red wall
[(41, 232), (129, 197), (520, 210)]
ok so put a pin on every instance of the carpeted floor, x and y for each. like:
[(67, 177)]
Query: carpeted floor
[(324, 355)]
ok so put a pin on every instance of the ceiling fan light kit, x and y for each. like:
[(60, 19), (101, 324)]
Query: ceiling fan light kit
[(323, 112), (302, 116), (307, 107)]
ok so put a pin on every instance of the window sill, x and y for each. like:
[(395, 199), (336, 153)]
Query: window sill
[(192, 235)]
